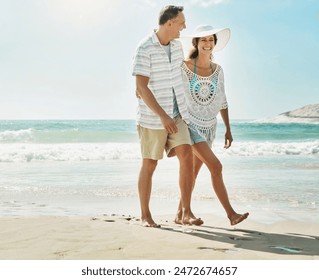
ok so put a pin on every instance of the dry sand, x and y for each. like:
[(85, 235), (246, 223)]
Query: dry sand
[(118, 237)]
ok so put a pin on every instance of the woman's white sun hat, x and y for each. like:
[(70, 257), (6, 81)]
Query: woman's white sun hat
[(223, 36)]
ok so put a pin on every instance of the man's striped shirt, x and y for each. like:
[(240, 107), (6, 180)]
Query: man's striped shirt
[(152, 61)]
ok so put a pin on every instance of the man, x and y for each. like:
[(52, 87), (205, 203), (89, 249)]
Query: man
[(162, 112)]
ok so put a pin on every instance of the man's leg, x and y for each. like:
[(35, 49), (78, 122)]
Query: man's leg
[(185, 157), (152, 147), (197, 164), (145, 188)]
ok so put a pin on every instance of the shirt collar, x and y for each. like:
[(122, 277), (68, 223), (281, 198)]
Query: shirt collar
[(156, 40)]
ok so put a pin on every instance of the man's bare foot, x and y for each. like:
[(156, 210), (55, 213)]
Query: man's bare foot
[(178, 220), (150, 223), (191, 220), (178, 217), (237, 218)]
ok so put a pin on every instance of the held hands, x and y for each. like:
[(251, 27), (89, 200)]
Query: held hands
[(169, 124), (228, 139)]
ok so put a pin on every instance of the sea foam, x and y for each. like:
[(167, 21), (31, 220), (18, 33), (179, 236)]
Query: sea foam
[(28, 152), (23, 135)]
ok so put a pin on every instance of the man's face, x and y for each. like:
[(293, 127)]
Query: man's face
[(177, 25)]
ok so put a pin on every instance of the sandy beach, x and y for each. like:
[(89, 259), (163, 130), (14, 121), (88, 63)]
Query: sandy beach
[(117, 237), (68, 191)]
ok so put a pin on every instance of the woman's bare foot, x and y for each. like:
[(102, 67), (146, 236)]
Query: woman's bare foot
[(237, 218)]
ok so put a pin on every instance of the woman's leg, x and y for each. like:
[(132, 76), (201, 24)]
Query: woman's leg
[(204, 153)]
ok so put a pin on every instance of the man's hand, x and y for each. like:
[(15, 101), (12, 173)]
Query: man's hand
[(169, 124)]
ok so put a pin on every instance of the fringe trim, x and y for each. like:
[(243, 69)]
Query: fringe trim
[(208, 133)]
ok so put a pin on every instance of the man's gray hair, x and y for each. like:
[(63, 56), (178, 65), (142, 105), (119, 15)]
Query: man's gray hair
[(169, 12)]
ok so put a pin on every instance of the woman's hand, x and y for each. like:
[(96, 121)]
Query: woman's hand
[(228, 139)]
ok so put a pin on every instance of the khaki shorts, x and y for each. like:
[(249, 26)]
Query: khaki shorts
[(155, 141)]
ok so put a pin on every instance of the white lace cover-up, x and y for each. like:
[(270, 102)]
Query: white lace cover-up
[(205, 97)]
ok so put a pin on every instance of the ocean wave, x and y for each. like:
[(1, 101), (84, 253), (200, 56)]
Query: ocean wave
[(68, 152), (71, 135), (23, 135), (29, 152), (271, 148), (52, 132)]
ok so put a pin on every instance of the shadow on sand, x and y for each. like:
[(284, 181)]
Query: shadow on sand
[(283, 244)]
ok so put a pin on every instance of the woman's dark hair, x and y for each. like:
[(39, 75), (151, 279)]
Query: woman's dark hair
[(169, 12), (194, 52)]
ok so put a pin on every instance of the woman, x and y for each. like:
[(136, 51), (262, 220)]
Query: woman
[(204, 88)]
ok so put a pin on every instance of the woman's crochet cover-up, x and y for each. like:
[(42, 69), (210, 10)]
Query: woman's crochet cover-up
[(205, 97)]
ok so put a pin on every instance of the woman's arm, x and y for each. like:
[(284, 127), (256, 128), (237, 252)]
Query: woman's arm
[(228, 135)]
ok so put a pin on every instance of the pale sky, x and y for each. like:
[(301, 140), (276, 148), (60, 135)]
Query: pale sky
[(72, 59)]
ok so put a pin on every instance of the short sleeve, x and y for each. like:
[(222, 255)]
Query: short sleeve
[(141, 63), (185, 79), (180, 48)]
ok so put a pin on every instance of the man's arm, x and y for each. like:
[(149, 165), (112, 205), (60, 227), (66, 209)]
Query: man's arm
[(145, 93)]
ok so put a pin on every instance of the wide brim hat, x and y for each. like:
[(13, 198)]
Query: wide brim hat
[(223, 36)]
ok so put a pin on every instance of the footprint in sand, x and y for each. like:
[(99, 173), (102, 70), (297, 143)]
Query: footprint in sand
[(60, 253), (240, 238), (223, 250)]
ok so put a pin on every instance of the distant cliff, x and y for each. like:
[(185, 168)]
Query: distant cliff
[(306, 114)]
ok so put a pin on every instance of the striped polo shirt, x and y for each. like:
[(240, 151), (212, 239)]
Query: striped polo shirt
[(165, 79)]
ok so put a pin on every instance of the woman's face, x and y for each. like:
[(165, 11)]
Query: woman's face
[(206, 44)]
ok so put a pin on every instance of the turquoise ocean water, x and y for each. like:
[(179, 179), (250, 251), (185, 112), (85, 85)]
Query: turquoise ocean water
[(90, 167)]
